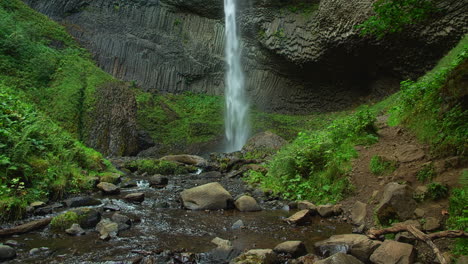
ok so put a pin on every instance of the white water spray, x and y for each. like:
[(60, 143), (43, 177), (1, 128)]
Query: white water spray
[(236, 121)]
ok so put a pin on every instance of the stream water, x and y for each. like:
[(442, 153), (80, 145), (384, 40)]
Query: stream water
[(162, 228), (236, 120)]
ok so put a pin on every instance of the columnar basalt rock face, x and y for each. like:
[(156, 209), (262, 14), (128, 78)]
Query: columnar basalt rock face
[(295, 60)]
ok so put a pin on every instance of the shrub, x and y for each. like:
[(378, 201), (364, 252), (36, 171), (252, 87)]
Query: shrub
[(64, 221), (437, 191), (379, 165), (426, 173)]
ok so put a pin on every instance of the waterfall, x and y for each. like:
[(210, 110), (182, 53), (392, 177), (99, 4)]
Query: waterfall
[(236, 119)]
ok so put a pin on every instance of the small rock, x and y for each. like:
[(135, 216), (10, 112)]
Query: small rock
[(358, 213), (7, 252), (219, 242), (107, 229), (75, 230), (123, 221), (128, 183), (12, 243), (392, 252), (158, 181), (34, 251), (111, 207), (404, 237), (360, 229), (135, 197), (419, 212), (360, 246), (108, 188), (326, 210), (294, 248), (247, 204), (162, 204), (260, 256), (431, 224), (82, 201), (302, 205), (299, 218), (237, 225), (340, 258), (37, 204)]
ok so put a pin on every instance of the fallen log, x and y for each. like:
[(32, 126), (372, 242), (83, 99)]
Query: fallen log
[(25, 228), (418, 234)]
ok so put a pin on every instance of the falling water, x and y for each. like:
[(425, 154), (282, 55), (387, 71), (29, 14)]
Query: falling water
[(236, 121)]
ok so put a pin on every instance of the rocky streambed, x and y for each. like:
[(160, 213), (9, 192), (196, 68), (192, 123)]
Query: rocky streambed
[(144, 222)]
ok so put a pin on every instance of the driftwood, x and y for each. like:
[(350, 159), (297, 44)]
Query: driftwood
[(24, 228), (426, 238)]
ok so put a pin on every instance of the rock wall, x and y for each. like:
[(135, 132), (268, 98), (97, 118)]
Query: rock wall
[(295, 60)]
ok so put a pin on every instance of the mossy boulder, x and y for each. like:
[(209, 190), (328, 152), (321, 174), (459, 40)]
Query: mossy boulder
[(85, 217)]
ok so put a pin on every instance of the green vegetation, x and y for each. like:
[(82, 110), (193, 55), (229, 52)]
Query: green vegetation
[(64, 221), (458, 210), (299, 7), (380, 166), (394, 15), (427, 173), (155, 166), (431, 107), (43, 74), (314, 165), (437, 191)]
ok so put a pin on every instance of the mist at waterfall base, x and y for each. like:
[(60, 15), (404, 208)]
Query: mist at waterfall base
[(236, 116)]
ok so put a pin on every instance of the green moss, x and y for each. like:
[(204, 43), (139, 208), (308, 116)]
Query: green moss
[(380, 166), (64, 221)]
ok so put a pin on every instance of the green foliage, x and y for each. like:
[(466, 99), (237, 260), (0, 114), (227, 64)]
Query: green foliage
[(458, 209), (427, 173), (155, 166), (437, 191), (64, 221), (379, 165), (313, 167), (394, 15), (38, 159), (432, 106)]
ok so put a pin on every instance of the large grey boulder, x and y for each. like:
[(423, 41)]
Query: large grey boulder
[(108, 188), (340, 258), (6, 253), (397, 203), (264, 141), (247, 203), (360, 246), (211, 196), (392, 252)]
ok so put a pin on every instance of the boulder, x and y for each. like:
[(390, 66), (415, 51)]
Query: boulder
[(293, 248), (431, 224), (224, 250), (82, 201), (211, 196), (123, 221), (392, 252), (135, 197), (299, 218), (264, 141), (158, 181), (257, 256), (7, 253), (397, 203), (306, 205), (326, 210), (340, 258), (187, 159), (358, 213), (108, 188), (107, 229), (219, 242), (237, 225), (247, 204), (37, 204), (88, 217), (50, 208), (75, 230), (360, 246)]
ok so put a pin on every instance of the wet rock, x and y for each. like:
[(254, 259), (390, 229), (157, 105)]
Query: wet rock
[(340, 258), (34, 251), (247, 204), (128, 183), (293, 248), (302, 205), (88, 217), (135, 197), (187, 159), (12, 243), (37, 204), (299, 218), (237, 225), (431, 224), (108, 188), (360, 246), (123, 221), (392, 252), (7, 252), (211, 196), (264, 141), (210, 174), (326, 210), (82, 201), (107, 229), (257, 256), (48, 209), (358, 213), (75, 230), (307, 259), (397, 203), (111, 207), (162, 204), (158, 181)]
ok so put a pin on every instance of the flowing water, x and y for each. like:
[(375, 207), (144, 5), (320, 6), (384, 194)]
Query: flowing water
[(161, 227), (236, 120)]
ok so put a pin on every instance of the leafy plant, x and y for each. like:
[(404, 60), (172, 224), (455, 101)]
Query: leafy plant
[(437, 191), (426, 173), (379, 165)]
